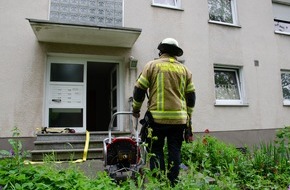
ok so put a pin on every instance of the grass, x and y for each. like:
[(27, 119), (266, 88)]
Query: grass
[(212, 164)]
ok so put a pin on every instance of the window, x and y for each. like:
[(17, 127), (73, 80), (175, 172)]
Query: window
[(285, 79), (92, 12), (222, 11), (228, 86), (65, 117), (67, 72), (167, 3), (281, 13)]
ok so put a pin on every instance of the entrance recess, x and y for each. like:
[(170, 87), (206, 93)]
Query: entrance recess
[(81, 94), (101, 94)]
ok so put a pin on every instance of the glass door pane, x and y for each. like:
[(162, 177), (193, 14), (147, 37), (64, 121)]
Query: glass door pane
[(67, 72), (65, 117)]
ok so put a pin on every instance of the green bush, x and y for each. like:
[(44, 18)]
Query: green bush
[(266, 167), (212, 164)]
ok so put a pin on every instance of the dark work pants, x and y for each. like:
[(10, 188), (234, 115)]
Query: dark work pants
[(174, 134)]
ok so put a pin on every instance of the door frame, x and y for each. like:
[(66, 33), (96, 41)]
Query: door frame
[(81, 58)]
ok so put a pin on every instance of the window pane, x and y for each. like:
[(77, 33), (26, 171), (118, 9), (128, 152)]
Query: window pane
[(65, 117), (67, 72), (281, 11), (226, 85), (165, 2), (220, 10), (285, 78), (281, 14)]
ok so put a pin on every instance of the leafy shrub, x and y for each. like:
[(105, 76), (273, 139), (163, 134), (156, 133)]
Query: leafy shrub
[(210, 154), (267, 167), (212, 164)]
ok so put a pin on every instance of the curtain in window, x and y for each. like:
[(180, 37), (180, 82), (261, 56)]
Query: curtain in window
[(220, 10), (166, 2), (226, 85), (285, 78)]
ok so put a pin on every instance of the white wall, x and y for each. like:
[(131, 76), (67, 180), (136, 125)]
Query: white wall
[(205, 44), (23, 61), (22, 67)]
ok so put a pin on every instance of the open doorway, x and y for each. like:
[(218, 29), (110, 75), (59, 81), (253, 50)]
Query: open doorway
[(99, 96)]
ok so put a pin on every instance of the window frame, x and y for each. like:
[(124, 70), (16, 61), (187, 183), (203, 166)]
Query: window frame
[(286, 102), (238, 70), (234, 15), (176, 6), (281, 25)]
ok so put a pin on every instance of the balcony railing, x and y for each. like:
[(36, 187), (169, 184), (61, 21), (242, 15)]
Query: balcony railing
[(282, 26), (91, 12)]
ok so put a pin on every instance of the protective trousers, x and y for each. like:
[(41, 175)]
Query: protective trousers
[(174, 135)]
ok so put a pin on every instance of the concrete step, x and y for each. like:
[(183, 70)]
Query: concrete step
[(66, 154), (78, 136), (70, 146), (66, 144)]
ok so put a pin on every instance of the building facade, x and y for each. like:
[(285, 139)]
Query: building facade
[(72, 63)]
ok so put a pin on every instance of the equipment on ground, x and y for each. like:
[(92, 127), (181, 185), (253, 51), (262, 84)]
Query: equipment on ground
[(123, 156)]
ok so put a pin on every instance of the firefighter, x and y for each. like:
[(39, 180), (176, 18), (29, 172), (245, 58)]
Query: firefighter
[(171, 101)]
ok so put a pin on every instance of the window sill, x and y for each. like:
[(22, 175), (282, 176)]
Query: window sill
[(286, 103), (168, 7), (282, 33), (224, 23), (230, 105)]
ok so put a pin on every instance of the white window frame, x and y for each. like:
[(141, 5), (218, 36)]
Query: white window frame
[(177, 4), (281, 11), (285, 101), (240, 84), (234, 15)]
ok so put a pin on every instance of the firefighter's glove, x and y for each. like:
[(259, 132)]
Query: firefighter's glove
[(188, 135), (136, 114)]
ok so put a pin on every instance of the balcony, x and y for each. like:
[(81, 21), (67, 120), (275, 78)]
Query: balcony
[(86, 22)]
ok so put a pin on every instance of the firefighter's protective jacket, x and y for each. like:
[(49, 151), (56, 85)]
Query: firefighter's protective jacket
[(171, 91)]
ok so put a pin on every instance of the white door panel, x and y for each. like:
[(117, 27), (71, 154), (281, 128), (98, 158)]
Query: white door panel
[(66, 94)]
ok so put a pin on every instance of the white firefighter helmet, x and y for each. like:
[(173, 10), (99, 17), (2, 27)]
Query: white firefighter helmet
[(170, 46)]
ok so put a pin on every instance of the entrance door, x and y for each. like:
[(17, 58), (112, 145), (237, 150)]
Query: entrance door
[(81, 94), (113, 93), (66, 103)]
